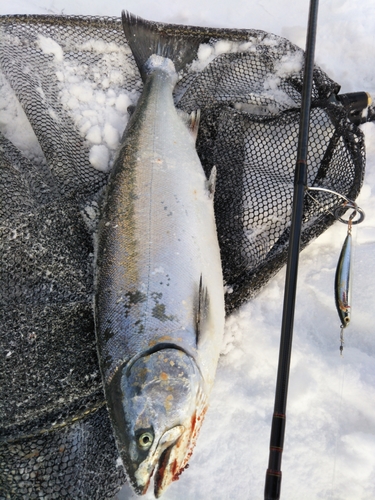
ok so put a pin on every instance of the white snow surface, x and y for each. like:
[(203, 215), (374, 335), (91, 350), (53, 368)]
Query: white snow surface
[(330, 432)]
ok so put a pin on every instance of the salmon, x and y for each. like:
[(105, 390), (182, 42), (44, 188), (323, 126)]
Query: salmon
[(159, 301)]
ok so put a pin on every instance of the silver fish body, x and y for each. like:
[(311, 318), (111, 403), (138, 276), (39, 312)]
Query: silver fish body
[(159, 304), (342, 282)]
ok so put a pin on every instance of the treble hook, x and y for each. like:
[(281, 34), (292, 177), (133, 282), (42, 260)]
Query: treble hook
[(341, 340)]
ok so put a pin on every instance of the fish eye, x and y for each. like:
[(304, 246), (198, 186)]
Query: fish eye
[(145, 440)]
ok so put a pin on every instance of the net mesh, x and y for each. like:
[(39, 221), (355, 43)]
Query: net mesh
[(67, 72)]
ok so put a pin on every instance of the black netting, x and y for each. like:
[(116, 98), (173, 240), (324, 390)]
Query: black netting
[(55, 437), (72, 461)]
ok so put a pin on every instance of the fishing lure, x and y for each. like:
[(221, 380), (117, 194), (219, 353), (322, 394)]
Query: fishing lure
[(342, 283), (343, 270)]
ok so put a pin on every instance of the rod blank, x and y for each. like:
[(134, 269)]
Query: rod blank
[(273, 475)]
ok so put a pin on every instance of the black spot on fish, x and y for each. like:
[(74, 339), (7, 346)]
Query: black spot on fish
[(133, 298), (141, 327), (106, 362), (136, 297), (158, 312), (108, 333), (159, 309)]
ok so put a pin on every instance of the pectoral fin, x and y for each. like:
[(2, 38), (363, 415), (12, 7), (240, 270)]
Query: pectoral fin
[(202, 304)]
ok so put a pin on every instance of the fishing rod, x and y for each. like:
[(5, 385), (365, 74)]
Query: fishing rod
[(273, 474)]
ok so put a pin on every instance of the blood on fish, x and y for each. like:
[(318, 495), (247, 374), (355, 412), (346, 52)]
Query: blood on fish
[(147, 484), (174, 469), (163, 462), (177, 473), (193, 420)]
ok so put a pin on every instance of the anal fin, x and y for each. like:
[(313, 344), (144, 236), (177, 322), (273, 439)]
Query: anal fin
[(211, 182), (195, 117)]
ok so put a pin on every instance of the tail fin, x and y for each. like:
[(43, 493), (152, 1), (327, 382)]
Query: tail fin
[(146, 38)]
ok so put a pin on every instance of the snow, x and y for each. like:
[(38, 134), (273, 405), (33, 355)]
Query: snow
[(97, 105), (49, 46), (13, 119), (99, 158), (330, 433)]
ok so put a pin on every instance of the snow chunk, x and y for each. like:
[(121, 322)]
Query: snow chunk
[(155, 61), (13, 119), (99, 158), (100, 47), (223, 47), (53, 115), (41, 93), (60, 76), (207, 52), (270, 41), (204, 52), (49, 46), (100, 97), (94, 135), (122, 103), (111, 136), (82, 92), (97, 104), (289, 64), (72, 103)]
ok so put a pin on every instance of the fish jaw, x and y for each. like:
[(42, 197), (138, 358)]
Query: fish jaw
[(169, 460), (158, 404), (175, 459)]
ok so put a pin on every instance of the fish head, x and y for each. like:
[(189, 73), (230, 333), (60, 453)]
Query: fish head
[(163, 405)]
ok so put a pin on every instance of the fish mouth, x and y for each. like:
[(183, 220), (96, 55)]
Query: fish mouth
[(166, 463), (168, 470)]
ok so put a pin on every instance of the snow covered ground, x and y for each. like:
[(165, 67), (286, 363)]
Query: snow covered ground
[(330, 434)]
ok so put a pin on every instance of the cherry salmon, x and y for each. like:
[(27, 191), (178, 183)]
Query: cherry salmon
[(159, 304)]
